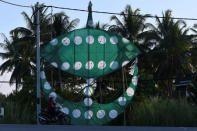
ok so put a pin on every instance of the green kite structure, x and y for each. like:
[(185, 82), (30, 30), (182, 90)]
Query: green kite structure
[(90, 53)]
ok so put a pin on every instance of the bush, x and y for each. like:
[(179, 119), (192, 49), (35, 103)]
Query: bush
[(17, 113), (159, 112)]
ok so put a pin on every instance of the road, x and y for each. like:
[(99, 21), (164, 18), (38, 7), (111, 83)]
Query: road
[(13, 127)]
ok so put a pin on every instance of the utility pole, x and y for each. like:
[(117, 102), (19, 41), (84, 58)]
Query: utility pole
[(38, 61)]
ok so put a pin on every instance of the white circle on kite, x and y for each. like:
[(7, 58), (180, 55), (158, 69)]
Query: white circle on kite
[(124, 40), (125, 63), (65, 110), (113, 114), (114, 65), (88, 91), (114, 40), (122, 101), (88, 101), (42, 75), (100, 114), (54, 64), (77, 65), (90, 80), (66, 41), (101, 64), (101, 39), (89, 65), (76, 113), (54, 42), (135, 80), (90, 39), (130, 91), (65, 66), (47, 86), (53, 95), (88, 114), (78, 40)]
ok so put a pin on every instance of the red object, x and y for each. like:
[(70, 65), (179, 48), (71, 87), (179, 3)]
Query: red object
[(51, 105)]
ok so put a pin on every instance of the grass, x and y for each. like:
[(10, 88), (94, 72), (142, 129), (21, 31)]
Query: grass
[(159, 112), (149, 112), (16, 113)]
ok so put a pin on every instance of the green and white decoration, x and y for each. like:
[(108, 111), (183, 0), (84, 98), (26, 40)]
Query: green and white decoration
[(90, 53)]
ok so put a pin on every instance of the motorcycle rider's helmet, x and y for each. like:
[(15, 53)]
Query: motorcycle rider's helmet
[(52, 95)]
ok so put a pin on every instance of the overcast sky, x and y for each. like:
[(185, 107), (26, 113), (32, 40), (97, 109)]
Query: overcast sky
[(10, 16)]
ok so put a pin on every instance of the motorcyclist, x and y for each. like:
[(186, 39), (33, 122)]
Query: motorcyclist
[(55, 112), (51, 107)]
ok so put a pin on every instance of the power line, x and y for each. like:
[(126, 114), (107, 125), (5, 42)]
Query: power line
[(15, 4), (113, 13), (100, 12)]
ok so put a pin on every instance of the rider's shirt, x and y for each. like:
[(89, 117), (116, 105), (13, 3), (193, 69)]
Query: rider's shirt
[(51, 104)]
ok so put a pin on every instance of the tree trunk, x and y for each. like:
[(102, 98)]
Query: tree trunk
[(16, 87), (52, 78), (100, 90), (60, 80)]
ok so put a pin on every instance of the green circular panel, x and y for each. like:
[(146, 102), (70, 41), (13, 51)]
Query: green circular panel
[(89, 53)]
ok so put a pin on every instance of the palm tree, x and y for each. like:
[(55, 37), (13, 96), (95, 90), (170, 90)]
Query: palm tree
[(171, 44), (193, 49), (131, 26), (17, 55), (61, 24), (101, 26), (20, 50), (44, 18)]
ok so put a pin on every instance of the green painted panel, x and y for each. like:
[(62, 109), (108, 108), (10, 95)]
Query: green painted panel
[(89, 53)]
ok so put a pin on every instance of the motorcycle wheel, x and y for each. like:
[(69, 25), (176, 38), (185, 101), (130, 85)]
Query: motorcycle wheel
[(67, 120), (62, 122), (42, 121)]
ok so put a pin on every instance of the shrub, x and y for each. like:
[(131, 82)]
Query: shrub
[(162, 112)]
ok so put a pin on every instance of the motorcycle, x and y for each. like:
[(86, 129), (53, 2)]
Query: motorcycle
[(46, 118)]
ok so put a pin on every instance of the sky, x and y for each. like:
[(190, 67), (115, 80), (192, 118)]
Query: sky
[(10, 16)]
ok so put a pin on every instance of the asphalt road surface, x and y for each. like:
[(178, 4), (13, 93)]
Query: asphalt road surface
[(8, 127)]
